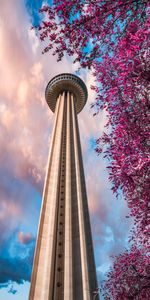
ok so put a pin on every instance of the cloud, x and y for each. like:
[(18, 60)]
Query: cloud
[(25, 126), (15, 261), (25, 118), (14, 269), (12, 290), (25, 238)]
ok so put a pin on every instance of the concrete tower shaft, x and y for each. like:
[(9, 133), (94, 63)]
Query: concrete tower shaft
[(64, 267)]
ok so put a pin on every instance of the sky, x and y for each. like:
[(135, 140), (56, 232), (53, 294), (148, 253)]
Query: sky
[(25, 131)]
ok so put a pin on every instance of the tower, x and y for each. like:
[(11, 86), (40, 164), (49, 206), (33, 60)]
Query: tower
[(64, 267)]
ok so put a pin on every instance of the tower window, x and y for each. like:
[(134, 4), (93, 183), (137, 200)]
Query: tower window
[(59, 269), (58, 284)]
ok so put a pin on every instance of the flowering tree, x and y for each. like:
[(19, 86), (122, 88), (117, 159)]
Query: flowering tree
[(124, 93), (130, 277), (113, 38), (85, 25)]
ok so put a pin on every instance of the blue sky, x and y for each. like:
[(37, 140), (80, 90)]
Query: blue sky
[(26, 124), (32, 9)]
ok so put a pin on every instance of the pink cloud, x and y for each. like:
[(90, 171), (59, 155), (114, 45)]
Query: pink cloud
[(25, 238), (25, 118)]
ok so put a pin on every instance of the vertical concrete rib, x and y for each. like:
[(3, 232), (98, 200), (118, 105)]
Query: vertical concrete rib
[(58, 287), (68, 272), (77, 268), (88, 266), (43, 272)]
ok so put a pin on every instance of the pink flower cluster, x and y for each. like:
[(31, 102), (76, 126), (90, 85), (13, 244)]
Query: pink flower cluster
[(130, 277), (124, 93)]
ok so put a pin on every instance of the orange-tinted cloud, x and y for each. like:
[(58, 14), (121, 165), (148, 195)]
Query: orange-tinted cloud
[(25, 238)]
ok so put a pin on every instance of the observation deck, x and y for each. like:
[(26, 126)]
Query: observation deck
[(69, 83)]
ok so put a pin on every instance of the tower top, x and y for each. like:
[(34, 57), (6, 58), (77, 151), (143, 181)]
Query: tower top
[(69, 83)]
